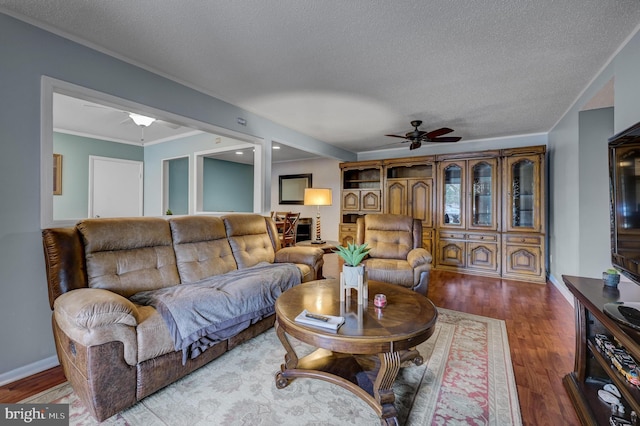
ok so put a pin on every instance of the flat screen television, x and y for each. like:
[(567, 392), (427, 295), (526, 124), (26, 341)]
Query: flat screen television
[(624, 189)]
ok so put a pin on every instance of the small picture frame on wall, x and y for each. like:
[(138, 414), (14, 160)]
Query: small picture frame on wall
[(291, 188), (57, 174)]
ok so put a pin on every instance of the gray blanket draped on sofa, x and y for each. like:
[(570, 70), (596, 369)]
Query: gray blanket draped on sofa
[(203, 313)]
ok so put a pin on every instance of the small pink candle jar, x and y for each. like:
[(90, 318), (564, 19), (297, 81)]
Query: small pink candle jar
[(380, 300)]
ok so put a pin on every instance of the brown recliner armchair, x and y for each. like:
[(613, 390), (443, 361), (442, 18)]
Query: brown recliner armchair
[(396, 254)]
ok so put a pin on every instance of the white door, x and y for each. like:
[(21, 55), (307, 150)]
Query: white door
[(115, 187)]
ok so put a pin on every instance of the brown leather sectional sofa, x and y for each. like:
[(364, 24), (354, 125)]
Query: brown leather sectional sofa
[(115, 352)]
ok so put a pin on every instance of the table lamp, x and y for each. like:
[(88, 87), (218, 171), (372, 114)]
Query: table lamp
[(317, 197)]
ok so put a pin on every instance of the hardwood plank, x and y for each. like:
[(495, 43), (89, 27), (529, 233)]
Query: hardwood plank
[(540, 327), (17, 391)]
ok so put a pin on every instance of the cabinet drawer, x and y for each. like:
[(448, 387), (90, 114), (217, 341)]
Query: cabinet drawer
[(482, 237), (348, 228), (456, 235), (524, 239)]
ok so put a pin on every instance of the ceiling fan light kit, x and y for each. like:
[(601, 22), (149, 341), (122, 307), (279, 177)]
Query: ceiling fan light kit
[(416, 137), (141, 120)]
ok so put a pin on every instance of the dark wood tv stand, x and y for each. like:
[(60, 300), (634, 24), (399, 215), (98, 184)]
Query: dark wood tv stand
[(592, 369)]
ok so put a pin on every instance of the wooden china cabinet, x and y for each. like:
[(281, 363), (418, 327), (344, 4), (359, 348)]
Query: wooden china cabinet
[(482, 212), (523, 227), (468, 214)]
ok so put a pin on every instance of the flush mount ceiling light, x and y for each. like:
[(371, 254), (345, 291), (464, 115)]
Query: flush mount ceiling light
[(141, 120)]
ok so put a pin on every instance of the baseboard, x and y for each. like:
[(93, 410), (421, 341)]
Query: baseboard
[(28, 370), (563, 289)]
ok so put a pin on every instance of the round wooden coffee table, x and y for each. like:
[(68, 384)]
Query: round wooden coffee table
[(365, 354)]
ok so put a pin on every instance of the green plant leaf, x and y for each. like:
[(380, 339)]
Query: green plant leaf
[(352, 254)]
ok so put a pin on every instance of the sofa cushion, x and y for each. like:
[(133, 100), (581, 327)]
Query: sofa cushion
[(249, 239), (201, 246), (389, 236), (129, 255)]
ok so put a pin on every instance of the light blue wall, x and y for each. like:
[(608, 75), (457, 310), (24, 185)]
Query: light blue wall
[(627, 86), (572, 169), (27, 53), (75, 150), (154, 155), (179, 185), (227, 186), (595, 128)]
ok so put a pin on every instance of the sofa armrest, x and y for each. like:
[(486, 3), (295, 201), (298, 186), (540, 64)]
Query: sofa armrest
[(306, 255), (418, 257), (93, 316)]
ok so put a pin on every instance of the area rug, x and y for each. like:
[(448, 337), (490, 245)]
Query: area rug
[(466, 378)]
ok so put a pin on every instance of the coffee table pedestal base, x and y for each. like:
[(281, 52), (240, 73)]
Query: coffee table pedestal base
[(370, 377)]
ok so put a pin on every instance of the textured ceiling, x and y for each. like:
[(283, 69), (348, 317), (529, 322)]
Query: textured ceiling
[(349, 72)]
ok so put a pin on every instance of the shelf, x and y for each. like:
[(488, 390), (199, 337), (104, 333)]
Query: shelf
[(630, 393), (593, 368)]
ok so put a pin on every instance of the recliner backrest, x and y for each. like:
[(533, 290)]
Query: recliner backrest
[(389, 236), (201, 247), (249, 239), (128, 255)]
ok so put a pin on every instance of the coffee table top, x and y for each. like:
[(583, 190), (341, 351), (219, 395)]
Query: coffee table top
[(405, 322)]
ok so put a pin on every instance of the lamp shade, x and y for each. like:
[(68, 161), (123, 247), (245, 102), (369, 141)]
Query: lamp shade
[(317, 197)]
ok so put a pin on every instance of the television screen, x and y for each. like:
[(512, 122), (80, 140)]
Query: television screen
[(624, 168)]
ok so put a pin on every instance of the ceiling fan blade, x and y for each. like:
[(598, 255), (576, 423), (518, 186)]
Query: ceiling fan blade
[(415, 145), (127, 120), (446, 139), (439, 132), (397, 136)]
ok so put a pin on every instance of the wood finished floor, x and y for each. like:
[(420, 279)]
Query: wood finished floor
[(540, 327)]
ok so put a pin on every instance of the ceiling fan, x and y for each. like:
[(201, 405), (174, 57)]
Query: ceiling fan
[(416, 137), (139, 120)]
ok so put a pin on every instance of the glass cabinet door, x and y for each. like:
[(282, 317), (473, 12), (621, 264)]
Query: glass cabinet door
[(483, 188), (523, 194), (452, 202)]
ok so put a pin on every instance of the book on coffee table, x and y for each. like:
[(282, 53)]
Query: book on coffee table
[(330, 322)]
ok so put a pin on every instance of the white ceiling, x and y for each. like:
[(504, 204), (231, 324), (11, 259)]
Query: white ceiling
[(349, 72)]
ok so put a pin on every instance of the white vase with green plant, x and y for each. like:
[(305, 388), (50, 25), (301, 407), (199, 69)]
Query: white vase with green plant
[(353, 255)]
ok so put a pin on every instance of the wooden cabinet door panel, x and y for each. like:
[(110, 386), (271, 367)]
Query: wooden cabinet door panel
[(523, 261), (396, 197), (451, 253), (483, 256), (451, 194), (523, 185), (482, 193), (420, 201), (370, 201), (351, 200)]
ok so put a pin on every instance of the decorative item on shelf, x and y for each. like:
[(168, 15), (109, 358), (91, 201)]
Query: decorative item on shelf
[(611, 277), (169, 212), (353, 273), (317, 197)]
